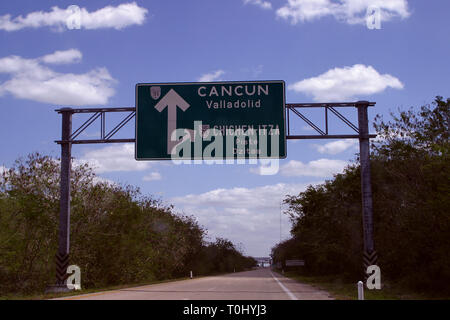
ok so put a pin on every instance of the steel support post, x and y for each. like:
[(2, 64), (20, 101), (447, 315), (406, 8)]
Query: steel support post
[(62, 257), (369, 255), (67, 140)]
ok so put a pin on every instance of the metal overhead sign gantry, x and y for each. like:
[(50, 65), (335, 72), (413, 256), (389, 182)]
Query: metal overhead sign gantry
[(161, 97)]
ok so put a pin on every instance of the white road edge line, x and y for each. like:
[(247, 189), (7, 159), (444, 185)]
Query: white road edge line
[(289, 293)]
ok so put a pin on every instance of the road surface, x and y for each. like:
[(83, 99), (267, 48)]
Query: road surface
[(258, 284)]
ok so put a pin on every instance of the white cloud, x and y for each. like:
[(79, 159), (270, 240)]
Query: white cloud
[(346, 83), (122, 16), (98, 179), (62, 57), (316, 168), (260, 3), (305, 10), (152, 176), (32, 80), (349, 11), (240, 199), (336, 147), (244, 215), (213, 76), (112, 158)]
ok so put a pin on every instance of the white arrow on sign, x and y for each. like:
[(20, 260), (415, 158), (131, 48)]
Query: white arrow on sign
[(171, 100)]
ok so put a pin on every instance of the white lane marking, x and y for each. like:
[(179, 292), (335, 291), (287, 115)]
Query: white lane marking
[(289, 293)]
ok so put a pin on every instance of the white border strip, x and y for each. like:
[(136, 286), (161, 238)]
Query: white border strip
[(289, 293)]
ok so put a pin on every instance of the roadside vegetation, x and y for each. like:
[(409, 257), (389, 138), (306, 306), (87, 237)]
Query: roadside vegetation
[(118, 235), (411, 199), (343, 289)]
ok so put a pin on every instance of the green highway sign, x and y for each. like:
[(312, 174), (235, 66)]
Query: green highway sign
[(210, 120)]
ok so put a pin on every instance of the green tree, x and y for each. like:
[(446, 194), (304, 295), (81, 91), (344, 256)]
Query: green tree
[(118, 235), (410, 180)]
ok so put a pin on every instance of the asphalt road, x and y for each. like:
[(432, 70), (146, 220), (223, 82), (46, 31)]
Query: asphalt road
[(259, 284)]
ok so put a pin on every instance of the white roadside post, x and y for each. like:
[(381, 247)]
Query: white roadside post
[(360, 290), (191, 275)]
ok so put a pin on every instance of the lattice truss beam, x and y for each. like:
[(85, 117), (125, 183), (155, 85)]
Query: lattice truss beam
[(296, 109), (99, 113)]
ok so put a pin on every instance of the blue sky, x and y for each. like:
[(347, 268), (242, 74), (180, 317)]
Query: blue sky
[(322, 49)]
